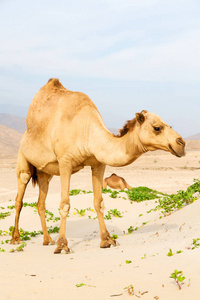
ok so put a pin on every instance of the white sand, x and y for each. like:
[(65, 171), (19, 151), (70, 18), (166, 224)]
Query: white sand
[(36, 273)]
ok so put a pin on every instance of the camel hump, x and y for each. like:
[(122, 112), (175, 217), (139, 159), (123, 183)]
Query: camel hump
[(55, 82)]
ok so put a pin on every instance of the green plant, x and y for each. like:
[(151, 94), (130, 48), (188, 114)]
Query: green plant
[(114, 236), (128, 261), (78, 191), (33, 204), (195, 243), (2, 250), (144, 223), (142, 193), (81, 212), (178, 277), (56, 229), (4, 215), (105, 191), (114, 213), (131, 229), (172, 202), (19, 248), (10, 206), (74, 192), (170, 253), (108, 216), (80, 284), (3, 232), (130, 289), (114, 194)]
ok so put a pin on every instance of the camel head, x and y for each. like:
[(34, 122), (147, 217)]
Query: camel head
[(156, 134)]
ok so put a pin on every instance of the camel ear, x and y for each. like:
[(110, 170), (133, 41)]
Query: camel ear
[(140, 117)]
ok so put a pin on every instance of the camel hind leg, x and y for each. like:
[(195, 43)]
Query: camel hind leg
[(97, 181), (43, 180), (24, 173), (128, 186), (104, 184)]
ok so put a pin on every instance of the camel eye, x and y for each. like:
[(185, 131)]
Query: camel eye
[(157, 129)]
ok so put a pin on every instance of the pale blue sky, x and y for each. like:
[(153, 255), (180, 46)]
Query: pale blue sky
[(126, 55)]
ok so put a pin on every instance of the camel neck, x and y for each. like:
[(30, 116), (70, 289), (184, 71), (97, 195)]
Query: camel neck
[(117, 151)]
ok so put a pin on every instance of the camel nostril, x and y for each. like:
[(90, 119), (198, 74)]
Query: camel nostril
[(180, 141)]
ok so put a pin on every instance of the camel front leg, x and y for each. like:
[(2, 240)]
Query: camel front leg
[(65, 174), (97, 180), (43, 182)]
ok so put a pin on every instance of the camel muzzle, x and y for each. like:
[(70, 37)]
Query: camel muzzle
[(178, 152)]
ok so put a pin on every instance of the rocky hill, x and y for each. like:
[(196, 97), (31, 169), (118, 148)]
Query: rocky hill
[(193, 137), (9, 142), (12, 121)]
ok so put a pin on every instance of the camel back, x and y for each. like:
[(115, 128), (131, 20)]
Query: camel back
[(53, 103)]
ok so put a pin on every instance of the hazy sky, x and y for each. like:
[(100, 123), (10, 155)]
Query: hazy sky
[(126, 55)]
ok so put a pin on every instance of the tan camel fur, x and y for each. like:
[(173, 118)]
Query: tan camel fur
[(65, 132), (116, 182)]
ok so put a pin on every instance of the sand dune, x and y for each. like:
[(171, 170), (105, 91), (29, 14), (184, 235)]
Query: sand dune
[(36, 273)]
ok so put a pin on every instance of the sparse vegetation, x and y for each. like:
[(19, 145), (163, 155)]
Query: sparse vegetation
[(77, 191), (114, 213), (170, 253), (128, 261), (130, 289), (195, 243), (3, 215), (81, 212), (178, 277), (142, 193), (131, 229), (114, 236), (19, 248)]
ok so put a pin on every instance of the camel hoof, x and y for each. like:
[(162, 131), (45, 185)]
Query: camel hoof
[(107, 243), (62, 250), (67, 252), (15, 241), (47, 243)]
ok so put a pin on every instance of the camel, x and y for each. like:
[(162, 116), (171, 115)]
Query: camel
[(66, 132), (116, 182)]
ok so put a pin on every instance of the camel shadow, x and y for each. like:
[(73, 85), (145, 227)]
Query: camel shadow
[(89, 229), (155, 228), (85, 230)]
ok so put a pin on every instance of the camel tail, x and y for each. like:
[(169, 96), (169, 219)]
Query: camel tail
[(34, 177)]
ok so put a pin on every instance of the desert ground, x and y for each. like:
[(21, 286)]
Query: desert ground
[(89, 272)]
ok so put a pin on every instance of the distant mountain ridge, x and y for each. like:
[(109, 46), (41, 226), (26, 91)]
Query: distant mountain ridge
[(13, 121), (193, 137), (9, 142)]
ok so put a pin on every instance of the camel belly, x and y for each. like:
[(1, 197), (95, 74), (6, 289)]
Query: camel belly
[(53, 169)]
